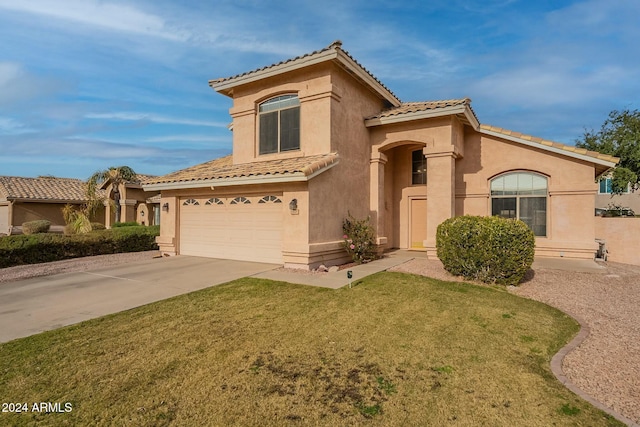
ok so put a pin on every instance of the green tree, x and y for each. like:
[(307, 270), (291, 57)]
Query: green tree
[(116, 176), (619, 136)]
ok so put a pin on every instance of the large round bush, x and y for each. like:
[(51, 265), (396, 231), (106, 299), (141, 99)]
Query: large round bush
[(488, 249)]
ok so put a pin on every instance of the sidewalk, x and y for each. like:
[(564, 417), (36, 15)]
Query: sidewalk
[(336, 279)]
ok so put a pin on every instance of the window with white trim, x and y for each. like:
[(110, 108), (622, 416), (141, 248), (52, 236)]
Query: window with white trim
[(606, 186), (521, 195), (279, 124)]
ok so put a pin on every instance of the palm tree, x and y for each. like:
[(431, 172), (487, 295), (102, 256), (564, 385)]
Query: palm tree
[(116, 176)]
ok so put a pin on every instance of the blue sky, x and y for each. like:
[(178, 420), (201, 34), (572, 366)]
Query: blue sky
[(89, 84)]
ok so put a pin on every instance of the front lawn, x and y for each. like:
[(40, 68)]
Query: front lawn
[(397, 349)]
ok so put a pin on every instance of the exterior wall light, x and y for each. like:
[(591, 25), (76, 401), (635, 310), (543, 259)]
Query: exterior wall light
[(165, 207), (293, 205)]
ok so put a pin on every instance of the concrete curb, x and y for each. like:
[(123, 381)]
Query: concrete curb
[(556, 368)]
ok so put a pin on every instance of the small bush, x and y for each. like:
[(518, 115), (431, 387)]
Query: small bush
[(125, 224), (34, 227), (359, 239), (97, 226), (37, 248), (488, 249)]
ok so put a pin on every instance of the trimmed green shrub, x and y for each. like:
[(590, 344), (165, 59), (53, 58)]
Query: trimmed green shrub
[(125, 224), (98, 226), (37, 248), (488, 249), (38, 226), (359, 239)]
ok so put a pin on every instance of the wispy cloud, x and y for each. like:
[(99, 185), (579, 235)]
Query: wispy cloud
[(155, 118), (9, 126), (19, 86), (106, 15)]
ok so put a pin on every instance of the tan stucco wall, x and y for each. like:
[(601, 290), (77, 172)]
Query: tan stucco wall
[(315, 91), (439, 138), (23, 212), (622, 236), (332, 112), (571, 186), (31, 211), (631, 200), (458, 155)]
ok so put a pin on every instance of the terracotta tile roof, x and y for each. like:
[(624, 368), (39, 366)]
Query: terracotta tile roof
[(223, 168), (336, 45), (547, 143), (42, 188), (414, 107), (140, 177)]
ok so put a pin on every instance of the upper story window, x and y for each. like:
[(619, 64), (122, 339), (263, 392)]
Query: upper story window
[(279, 124), (521, 195), (606, 186), (418, 168)]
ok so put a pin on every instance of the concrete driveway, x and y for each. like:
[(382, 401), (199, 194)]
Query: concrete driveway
[(40, 304)]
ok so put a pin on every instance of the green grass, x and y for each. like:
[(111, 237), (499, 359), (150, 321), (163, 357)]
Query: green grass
[(397, 349)]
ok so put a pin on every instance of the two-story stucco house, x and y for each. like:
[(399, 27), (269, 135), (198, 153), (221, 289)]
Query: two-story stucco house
[(318, 136)]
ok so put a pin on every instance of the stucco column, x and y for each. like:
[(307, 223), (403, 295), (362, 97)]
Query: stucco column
[(127, 210), (107, 214), (440, 192), (376, 191)]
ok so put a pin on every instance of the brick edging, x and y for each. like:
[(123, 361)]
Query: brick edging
[(556, 368)]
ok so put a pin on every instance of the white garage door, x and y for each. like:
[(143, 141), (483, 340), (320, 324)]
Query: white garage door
[(240, 228), (4, 219)]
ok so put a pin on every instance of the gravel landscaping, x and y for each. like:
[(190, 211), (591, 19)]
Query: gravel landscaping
[(607, 364)]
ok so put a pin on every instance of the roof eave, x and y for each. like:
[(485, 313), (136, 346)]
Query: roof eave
[(226, 87), (591, 159), (426, 114), (242, 180)]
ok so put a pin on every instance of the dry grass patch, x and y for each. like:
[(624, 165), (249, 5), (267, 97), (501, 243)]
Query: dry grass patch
[(397, 349)]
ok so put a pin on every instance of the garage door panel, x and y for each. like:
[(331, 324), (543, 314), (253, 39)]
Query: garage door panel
[(251, 231)]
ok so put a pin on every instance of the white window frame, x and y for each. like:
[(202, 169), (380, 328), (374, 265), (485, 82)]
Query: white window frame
[(519, 197)]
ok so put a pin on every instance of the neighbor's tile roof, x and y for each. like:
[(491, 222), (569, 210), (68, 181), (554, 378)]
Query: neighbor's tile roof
[(547, 143), (223, 167), (42, 188), (140, 177), (336, 45)]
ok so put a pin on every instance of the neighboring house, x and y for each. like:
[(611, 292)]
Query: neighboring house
[(29, 199), (606, 198), (135, 204), (318, 137)]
